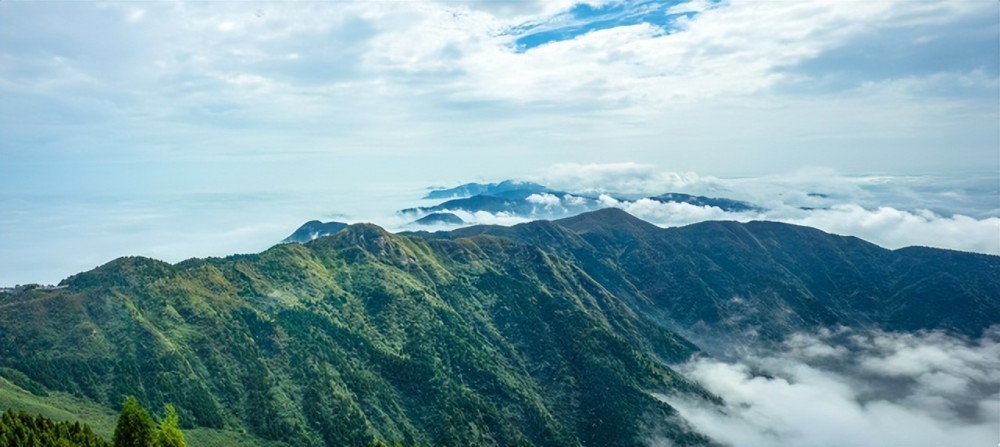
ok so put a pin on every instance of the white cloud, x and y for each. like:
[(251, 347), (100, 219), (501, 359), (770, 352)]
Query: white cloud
[(486, 218), (673, 214), (544, 199), (895, 228), (788, 396), (402, 222), (427, 91), (572, 200), (690, 6), (623, 178), (738, 48), (887, 210)]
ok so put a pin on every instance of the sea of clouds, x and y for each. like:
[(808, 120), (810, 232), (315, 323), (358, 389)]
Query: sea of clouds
[(960, 212), (852, 388)]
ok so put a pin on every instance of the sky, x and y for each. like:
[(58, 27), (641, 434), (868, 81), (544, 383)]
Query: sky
[(179, 129)]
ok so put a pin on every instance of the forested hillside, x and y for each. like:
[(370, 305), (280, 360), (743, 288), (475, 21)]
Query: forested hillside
[(547, 333)]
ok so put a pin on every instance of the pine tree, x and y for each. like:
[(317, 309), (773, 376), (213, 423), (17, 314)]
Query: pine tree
[(135, 425), (170, 434), (21, 429)]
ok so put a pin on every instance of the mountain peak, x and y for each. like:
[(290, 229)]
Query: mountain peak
[(439, 219), (605, 219), (124, 271), (314, 229), (359, 238)]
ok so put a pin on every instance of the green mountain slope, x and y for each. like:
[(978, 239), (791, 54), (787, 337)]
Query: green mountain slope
[(729, 280), (546, 333), (362, 335)]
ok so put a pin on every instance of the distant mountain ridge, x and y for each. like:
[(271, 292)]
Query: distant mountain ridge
[(439, 219), (730, 205), (511, 198), (535, 201), (544, 333), (475, 189)]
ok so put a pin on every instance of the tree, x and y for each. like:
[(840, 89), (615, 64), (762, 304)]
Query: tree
[(169, 434), (135, 425)]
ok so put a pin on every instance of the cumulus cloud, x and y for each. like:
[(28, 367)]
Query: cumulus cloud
[(895, 228), (848, 388), (745, 46), (544, 199), (672, 214)]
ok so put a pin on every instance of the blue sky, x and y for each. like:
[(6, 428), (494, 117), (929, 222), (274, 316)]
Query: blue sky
[(221, 125), (583, 18)]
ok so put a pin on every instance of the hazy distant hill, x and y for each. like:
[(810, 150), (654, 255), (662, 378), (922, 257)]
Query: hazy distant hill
[(475, 189), (724, 204), (545, 333), (314, 229), (439, 219), (531, 200)]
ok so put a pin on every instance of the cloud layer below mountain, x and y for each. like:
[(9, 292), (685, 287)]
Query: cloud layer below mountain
[(48, 237), (960, 213), (848, 388)]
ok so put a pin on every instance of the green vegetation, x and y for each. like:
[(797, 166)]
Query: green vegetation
[(135, 426), (61, 406), (19, 429), (540, 334), (169, 433)]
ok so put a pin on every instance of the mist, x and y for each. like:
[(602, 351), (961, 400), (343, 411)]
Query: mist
[(850, 388)]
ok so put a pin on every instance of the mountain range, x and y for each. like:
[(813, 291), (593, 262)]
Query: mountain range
[(535, 201), (475, 189), (545, 333)]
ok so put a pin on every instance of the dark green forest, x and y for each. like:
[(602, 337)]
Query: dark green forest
[(135, 428), (19, 429)]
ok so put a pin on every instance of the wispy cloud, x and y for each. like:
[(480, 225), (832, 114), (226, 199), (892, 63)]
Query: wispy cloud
[(193, 79), (319, 96)]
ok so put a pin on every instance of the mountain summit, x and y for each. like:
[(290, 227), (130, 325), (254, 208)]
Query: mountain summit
[(606, 219)]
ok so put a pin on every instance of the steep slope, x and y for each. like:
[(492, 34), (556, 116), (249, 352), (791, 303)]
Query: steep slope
[(769, 279), (726, 281), (362, 335)]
